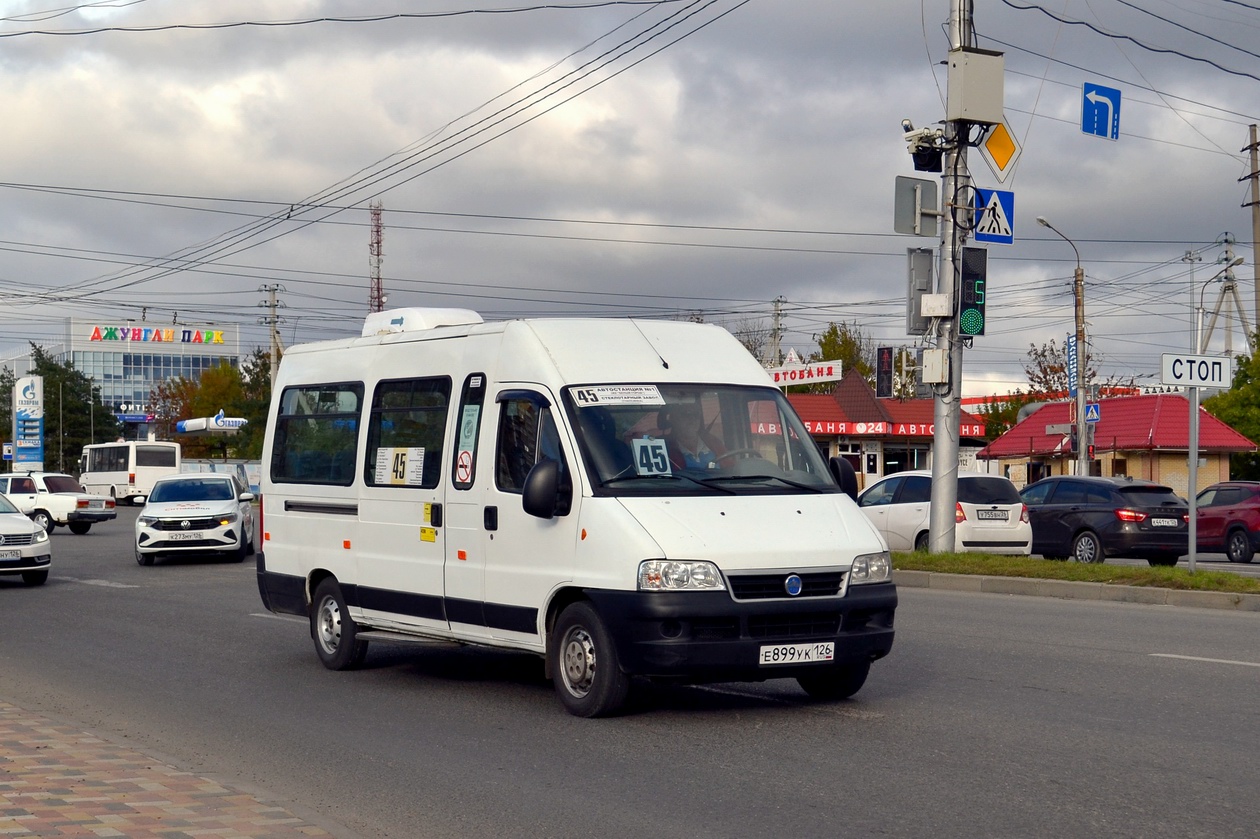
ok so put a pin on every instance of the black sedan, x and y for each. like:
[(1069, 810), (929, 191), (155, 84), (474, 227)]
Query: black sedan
[(1089, 519)]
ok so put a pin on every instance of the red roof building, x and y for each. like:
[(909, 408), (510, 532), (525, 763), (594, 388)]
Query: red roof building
[(1140, 436), (878, 436)]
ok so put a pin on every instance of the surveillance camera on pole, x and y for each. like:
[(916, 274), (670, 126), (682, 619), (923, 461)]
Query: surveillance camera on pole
[(926, 146)]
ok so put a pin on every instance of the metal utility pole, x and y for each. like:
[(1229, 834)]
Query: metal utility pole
[(1078, 292), (272, 320), (376, 254), (776, 332), (1254, 204), (1229, 288), (947, 408)]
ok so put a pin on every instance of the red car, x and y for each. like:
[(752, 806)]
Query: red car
[(1228, 519)]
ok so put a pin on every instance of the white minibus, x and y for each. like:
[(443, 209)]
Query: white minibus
[(623, 498), (126, 470)]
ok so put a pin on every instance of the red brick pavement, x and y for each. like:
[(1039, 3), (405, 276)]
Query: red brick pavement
[(56, 780)]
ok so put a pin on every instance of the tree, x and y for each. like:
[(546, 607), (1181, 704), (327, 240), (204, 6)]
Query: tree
[(1000, 414), (1047, 370), (239, 392), (74, 415), (843, 342), (755, 336), (1239, 408)]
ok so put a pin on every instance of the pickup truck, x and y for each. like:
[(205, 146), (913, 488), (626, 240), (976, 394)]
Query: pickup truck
[(61, 500)]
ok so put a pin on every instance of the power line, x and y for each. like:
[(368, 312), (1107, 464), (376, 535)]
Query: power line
[(239, 24)]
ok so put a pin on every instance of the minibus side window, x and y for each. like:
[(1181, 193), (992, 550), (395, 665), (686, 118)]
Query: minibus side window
[(317, 433), (471, 401), (527, 434), (405, 432)]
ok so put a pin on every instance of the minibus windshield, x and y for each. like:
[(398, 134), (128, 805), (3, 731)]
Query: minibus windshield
[(672, 439)]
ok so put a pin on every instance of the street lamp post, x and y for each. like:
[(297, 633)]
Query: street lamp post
[(1078, 288)]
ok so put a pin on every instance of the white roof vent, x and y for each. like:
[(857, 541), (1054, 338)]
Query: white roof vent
[(416, 320)]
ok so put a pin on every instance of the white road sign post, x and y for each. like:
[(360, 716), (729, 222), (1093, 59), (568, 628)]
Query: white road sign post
[(1194, 372)]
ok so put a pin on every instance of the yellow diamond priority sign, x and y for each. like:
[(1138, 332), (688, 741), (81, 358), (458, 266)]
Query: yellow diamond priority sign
[(1000, 150)]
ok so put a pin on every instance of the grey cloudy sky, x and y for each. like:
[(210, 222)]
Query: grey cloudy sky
[(693, 157)]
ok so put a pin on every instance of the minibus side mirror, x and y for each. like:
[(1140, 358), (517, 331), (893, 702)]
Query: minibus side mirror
[(543, 495), (842, 470)]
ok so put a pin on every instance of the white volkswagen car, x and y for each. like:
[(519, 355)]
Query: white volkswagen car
[(196, 513), (989, 517), (24, 546)]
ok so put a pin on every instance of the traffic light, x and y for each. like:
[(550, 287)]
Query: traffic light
[(1074, 442), (1090, 451), (974, 269), (884, 372)]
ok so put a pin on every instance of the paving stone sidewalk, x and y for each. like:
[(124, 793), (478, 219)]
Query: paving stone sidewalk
[(57, 780)]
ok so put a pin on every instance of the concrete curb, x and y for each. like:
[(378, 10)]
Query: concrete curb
[(1078, 591)]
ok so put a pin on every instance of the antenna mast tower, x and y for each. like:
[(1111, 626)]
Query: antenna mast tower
[(376, 295)]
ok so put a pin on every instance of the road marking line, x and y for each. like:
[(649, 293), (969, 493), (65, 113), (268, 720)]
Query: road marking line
[(104, 583), (1209, 660)]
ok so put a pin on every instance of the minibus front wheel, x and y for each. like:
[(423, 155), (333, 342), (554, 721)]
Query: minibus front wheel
[(333, 629), (587, 674)]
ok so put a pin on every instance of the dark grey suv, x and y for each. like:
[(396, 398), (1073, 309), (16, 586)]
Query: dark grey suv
[(1089, 519)]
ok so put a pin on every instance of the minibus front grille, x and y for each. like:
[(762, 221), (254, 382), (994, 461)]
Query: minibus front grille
[(770, 586), (817, 625)]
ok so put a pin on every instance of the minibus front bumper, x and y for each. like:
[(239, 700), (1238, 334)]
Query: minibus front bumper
[(710, 636)]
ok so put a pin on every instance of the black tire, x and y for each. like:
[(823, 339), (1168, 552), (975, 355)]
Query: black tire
[(1087, 548), (44, 520), (584, 664), (241, 551), (1164, 560), (78, 528), (921, 542), (35, 578), (840, 681), (144, 559), (1238, 546), (333, 630)]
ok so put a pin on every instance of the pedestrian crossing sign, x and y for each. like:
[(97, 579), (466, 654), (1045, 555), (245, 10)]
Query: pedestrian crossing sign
[(995, 216)]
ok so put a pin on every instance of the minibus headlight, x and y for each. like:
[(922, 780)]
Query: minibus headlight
[(871, 568), (663, 575)]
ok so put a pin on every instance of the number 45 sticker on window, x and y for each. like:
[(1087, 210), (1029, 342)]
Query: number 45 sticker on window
[(651, 457)]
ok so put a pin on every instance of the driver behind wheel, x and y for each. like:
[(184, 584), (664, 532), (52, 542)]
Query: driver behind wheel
[(688, 441)]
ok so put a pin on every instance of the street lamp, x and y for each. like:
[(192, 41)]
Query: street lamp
[(1078, 287)]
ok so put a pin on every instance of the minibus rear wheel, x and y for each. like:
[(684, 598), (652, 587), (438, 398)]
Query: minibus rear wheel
[(334, 630), (588, 676)]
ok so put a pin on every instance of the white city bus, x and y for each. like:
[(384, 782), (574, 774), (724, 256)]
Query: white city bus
[(126, 470)]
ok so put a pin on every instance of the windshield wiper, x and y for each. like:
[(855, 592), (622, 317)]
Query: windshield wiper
[(673, 477), (788, 481)]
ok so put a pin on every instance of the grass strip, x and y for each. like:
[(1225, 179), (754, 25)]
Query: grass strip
[(1018, 566)]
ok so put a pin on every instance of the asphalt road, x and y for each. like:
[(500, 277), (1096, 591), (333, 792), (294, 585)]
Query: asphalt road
[(994, 716)]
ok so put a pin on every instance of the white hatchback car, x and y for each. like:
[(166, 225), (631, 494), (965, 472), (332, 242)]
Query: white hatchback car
[(989, 517), (24, 546), (196, 513)]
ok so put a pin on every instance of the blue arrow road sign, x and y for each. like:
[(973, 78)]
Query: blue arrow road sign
[(1100, 111), (995, 216), (1092, 412)]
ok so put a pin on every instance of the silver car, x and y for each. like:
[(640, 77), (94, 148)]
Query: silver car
[(196, 513)]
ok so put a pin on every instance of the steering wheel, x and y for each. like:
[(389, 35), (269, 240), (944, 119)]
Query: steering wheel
[(734, 454)]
